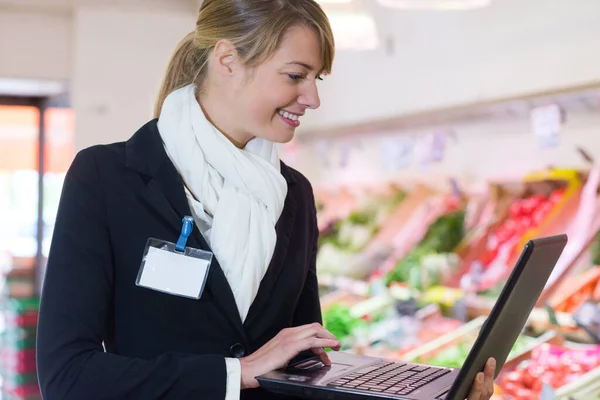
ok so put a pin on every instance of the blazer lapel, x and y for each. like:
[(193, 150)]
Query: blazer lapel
[(284, 228), (164, 193)]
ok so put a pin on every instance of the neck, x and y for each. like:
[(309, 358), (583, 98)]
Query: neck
[(218, 115)]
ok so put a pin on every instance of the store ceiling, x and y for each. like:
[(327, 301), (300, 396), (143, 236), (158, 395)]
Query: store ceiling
[(67, 5)]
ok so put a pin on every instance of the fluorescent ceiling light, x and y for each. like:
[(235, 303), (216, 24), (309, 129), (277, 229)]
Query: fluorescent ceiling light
[(354, 31), (31, 87), (435, 4)]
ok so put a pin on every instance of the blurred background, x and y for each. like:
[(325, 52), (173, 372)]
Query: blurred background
[(450, 132)]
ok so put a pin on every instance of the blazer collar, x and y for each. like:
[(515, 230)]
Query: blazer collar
[(164, 193)]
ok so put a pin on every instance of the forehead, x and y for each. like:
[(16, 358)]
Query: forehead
[(300, 45)]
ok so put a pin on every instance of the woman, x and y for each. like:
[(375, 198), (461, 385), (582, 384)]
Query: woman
[(234, 87)]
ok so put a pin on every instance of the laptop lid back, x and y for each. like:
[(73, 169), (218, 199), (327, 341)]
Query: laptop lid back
[(511, 311)]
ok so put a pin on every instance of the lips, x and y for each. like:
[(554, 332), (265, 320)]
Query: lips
[(288, 115), (289, 118)]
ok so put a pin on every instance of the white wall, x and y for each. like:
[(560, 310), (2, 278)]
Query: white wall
[(496, 149), (35, 44), (509, 49), (119, 61), (115, 59)]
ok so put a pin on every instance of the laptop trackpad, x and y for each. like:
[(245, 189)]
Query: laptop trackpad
[(313, 371), (304, 366)]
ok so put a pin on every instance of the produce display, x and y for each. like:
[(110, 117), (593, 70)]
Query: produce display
[(454, 356), (17, 359), (551, 365), (426, 249), (343, 238), (576, 290), (397, 339), (524, 215), (431, 260), (339, 321)]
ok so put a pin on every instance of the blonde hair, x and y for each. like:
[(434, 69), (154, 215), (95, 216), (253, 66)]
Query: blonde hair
[(255, 27)]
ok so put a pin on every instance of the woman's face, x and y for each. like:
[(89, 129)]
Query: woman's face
[(269, 100)]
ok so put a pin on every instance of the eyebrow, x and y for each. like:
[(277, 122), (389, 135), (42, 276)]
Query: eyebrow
[(307, 66)]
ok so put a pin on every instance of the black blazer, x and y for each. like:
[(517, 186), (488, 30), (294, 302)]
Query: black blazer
[(158, 346)]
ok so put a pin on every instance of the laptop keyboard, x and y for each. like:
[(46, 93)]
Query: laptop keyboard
[(390, 378)]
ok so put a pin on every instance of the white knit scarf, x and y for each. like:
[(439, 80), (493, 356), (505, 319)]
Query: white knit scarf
[(236, 195)]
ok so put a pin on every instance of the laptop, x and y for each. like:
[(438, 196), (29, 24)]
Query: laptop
[(360, 377)]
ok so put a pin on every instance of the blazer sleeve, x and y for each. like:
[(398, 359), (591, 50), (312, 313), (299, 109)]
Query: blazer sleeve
[(308, 309), (75, 309)]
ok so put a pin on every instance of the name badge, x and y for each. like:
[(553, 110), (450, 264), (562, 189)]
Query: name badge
[(175, 268)]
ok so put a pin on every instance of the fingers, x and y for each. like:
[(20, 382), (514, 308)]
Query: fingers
[(478, 387), (490, 369), (314, 342), (483, 387), (322, 355), (315, 329), (305, 335), (289, 343), (488, 384)]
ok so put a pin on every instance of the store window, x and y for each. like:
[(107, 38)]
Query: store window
[(19, 141), (59, 152), (36, 150)]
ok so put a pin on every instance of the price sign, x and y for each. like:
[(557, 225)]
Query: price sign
[(431, 148), (323, 149), (546, 123), (396, 153)]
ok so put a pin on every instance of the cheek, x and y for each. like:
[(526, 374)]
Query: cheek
[(262, 101)]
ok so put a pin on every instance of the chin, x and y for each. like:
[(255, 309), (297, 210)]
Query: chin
[(281, 136)]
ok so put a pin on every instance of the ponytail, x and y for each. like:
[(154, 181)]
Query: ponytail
[(186, 66)]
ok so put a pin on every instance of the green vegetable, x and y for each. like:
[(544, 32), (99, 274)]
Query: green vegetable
[(442, 236), (338, 320)]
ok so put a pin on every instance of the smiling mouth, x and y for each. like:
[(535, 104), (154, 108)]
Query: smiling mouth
[(289, 118)]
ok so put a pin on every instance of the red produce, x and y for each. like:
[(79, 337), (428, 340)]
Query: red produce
[(552, 365)]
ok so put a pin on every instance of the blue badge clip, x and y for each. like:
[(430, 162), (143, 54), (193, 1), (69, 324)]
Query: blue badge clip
[(186, 231)]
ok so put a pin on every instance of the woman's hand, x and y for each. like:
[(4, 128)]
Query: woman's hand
[(288, 343), (483, 387)]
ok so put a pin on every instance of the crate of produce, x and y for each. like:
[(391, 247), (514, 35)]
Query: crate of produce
[(431, 261), (546, 206), (576, 290), (343, 240), (548, 364)]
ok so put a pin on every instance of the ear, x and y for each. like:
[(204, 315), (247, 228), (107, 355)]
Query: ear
[(225, 57)]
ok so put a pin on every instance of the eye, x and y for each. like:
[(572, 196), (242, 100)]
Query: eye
[(319, 77), (295, 77)]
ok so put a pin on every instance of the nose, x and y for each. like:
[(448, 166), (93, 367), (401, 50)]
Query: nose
[(309, 96)]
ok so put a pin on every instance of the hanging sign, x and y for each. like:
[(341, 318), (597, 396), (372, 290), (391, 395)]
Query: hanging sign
[(431, 148), (397, 152), (323, 150), (345, 150), (546, 122)]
